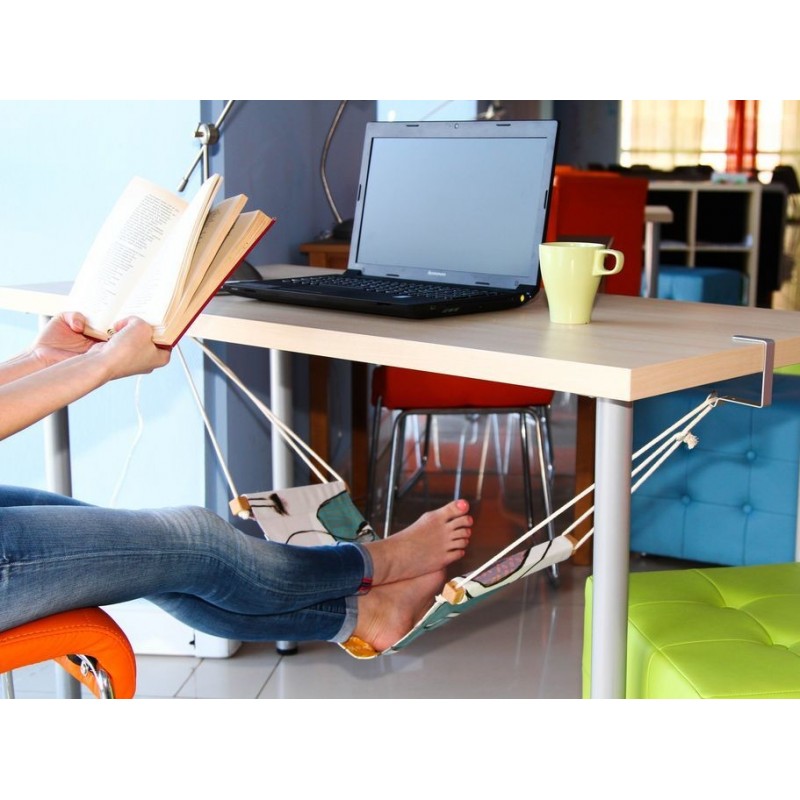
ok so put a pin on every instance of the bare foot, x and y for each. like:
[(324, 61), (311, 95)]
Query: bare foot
[(436, 539), (387, 613)]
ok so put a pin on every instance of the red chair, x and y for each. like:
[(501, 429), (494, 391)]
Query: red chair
[(86, 642), (604, 204)]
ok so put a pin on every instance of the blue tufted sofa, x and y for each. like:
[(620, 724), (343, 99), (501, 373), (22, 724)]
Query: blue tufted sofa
[(733, 499)]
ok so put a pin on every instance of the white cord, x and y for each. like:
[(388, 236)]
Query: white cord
[(139, 430)]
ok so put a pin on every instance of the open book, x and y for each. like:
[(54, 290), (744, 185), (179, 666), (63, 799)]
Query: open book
[(162, 258)]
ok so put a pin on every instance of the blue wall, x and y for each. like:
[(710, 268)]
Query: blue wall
[(64, 164), (270, 151)]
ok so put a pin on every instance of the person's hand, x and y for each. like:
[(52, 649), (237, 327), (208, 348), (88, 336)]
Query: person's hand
[(130, 350), (63, 337)]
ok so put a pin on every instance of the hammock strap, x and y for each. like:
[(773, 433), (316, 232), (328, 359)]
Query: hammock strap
[(292, 440), (207, 423), (684, 436)]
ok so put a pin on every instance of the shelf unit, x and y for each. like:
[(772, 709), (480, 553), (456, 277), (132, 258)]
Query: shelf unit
[(714, 224)]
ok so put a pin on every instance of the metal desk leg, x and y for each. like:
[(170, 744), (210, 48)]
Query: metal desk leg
[(612, 514), (280, 381), (59, 479)]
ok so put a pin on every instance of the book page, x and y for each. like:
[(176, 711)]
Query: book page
[(140, 220), (246, 232), (163, 277), (218, 225)]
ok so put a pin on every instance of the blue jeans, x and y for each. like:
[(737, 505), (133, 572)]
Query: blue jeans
[(57, 554)]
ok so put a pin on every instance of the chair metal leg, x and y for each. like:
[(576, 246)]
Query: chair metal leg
[(423, 455), (526, 470), (547, 441), (8, 686), (434, 432), (373, 460), (498, 457), (395, 465), (484, 453), (462, 448), (547, 468)]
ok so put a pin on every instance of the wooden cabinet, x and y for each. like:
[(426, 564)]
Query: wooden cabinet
[(327, 253), (714, 225)]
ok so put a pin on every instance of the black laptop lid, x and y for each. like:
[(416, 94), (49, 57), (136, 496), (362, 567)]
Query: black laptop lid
[(454, 202)]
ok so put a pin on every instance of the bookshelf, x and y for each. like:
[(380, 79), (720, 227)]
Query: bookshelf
[(714, 224)]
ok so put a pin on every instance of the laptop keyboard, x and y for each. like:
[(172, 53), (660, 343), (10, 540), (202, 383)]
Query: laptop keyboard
[(393, 288)]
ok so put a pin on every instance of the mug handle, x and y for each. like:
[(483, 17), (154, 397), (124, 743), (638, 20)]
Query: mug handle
[(599, 258)]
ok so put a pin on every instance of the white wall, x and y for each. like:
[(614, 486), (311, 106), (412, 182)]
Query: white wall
[(63, 165)]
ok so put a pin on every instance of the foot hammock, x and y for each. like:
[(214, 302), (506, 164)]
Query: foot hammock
[(324, 513)]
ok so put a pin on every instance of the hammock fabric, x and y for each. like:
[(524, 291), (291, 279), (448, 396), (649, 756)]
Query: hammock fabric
[(324, 513)]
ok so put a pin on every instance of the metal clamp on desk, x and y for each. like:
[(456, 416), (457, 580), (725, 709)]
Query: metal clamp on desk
[(766, 373)]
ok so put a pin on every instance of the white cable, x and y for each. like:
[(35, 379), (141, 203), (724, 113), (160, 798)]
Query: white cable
[(139, 430)]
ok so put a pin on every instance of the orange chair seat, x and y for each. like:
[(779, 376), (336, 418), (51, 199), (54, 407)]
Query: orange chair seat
[(410, 388), (87, 631)]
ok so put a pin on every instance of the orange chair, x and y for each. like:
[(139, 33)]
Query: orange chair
[(413, 392), (106, 664)]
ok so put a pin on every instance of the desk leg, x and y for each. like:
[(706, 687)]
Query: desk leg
[(58, 469), (584, 473), (59, 479), (280, 382), (652, 247), (611, 548)]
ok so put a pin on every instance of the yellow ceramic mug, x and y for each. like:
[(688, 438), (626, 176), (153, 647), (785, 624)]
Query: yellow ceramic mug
[(571, 272)]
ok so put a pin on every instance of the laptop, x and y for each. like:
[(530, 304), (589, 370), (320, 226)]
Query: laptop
[(448, 220)]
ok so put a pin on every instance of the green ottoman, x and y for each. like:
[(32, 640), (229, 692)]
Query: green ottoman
[(720, 632)]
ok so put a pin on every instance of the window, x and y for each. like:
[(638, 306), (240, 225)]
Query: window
[(667, 133)]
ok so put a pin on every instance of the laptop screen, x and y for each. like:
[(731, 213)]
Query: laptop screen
[(455, 202)]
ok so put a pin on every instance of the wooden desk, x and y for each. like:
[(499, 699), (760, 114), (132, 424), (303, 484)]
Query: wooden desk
[(634, 348)]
